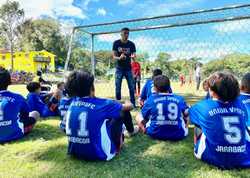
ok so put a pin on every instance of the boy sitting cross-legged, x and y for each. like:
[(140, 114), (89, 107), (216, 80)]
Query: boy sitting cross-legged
[(164, 115), (94, 125), (16, 120), (223, 139)]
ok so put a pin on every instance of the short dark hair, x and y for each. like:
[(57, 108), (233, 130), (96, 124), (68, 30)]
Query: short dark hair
[(79, 83), (245, 82), (59, 84), (39, 73), (156, 72), (162, 83), (225, 85), (5, 79), (33, 86), (125, 29)]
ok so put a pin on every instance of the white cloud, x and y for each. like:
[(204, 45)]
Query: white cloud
[(110, 38), (125, 2), (151, 8), (51, 8), (233, 27), (101, 12), (85, 3)]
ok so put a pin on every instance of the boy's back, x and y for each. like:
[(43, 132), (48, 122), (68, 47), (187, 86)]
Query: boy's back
[(13, 107), (245, 98), (165, 114), (87, 127), (223, 140), (63, 108)]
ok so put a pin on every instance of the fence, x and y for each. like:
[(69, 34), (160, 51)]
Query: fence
[(201, 35)]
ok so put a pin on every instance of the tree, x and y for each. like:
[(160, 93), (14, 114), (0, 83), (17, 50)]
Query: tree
[(11, 17), (44, 34), (162, 62)]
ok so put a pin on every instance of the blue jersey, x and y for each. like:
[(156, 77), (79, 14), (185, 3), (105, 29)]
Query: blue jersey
[(224, 139), (148, 89), (36, 104), (13, 109), (63, 108), (165, 115), (245, 98), (88, 127)]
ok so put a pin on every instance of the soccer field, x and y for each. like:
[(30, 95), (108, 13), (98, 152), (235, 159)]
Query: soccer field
[(43, 152)]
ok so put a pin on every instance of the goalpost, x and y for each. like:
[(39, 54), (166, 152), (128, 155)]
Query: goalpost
[(206, 34)]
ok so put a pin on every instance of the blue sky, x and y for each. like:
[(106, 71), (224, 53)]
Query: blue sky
[(206, 41)]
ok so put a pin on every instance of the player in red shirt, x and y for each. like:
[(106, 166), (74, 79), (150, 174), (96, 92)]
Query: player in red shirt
[(136, 70)]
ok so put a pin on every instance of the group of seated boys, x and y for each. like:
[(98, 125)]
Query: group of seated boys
[(95, 127)]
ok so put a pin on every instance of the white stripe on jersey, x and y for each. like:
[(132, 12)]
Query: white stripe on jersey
[(201, 146), (20, 125), (183, 125), (106, 142)]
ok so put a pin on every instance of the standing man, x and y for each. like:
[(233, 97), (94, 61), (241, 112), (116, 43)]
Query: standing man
[(136, 70), (123, 51), (198, 75)]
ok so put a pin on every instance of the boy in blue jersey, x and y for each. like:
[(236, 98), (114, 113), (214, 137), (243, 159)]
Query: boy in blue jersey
[(164, 115), (16, 120), (206, 88), (245, 94), (35, 102), (63, 108), (94, 125), (148, 88), (223, 141)]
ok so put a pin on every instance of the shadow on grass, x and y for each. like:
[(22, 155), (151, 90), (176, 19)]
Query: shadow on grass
[(140, 157), (42, 130)]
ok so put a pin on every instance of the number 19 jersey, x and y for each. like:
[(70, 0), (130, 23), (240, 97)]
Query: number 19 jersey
[(88, 127), (224, 139), (165, 115)]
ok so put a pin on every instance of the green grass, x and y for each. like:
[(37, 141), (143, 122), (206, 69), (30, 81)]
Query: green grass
[(43, 153)]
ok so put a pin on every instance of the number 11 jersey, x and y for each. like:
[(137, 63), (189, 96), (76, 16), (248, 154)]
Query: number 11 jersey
[(88, 127)]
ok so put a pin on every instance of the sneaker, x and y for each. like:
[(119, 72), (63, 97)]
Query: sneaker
[(128, 134)]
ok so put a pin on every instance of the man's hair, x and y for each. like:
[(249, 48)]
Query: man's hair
[(156, 72), (125, 29), (33, 86), (60, 84), (162, 83), (5, 79), (225, 85), (245, 82), (79, 83)]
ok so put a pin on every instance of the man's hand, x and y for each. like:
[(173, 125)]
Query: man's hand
[(123, 56)]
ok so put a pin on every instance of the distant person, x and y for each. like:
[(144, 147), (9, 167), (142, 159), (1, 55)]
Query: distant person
[(198, 75), (182, 79), (205, 86), (136, 70), (16, 120), (221, 136), (245, 95), (164, 115), (123, 51)]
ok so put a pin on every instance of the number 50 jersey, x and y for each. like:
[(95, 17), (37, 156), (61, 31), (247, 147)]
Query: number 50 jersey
[(88, 127), (224, 139)]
